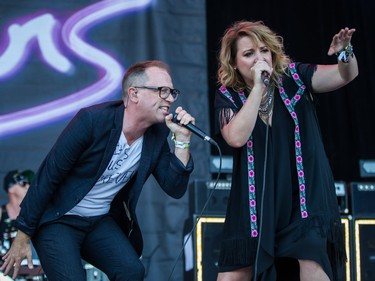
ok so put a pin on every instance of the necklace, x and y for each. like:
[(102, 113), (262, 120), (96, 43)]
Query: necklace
[(266, 104)]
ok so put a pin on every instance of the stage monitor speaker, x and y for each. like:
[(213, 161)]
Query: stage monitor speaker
[(362, 199), (199, 194), (208, 235), (364, 236), (346, 222)]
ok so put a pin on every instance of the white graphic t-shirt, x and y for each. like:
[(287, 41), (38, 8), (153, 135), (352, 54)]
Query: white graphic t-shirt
[(121, 168)]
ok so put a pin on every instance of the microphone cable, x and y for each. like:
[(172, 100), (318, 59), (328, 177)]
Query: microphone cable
[(262, 201), (200, 214)]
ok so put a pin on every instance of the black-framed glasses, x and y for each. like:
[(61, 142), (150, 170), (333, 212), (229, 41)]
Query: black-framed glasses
[(164, 91)]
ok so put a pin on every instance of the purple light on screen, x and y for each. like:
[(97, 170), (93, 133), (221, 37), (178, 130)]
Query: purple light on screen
[(20, 39), (73, 35)]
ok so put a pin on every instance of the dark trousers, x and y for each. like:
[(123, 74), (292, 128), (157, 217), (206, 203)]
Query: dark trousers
[(63, 244)]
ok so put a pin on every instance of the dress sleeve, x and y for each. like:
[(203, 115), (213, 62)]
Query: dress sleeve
[(306, 71), (225, 109)]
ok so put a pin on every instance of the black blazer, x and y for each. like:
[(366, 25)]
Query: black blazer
[(80, 156)]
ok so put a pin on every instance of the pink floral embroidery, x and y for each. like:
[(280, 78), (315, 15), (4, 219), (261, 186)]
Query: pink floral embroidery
[(223, 89), (290, 105), (250, 166)]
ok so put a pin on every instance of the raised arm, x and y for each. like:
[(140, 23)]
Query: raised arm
[(328, 78)]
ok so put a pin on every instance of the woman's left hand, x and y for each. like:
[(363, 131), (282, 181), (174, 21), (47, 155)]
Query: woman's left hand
[(340, 40)]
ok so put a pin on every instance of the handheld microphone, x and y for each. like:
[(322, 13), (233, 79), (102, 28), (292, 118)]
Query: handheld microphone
[(195, 130), (265, 77)]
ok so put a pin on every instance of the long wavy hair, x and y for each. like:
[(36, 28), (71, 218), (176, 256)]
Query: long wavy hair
[(258, 32)]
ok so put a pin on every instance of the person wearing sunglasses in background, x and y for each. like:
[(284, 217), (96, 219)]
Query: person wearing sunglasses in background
[(16, 183), (82, 201)]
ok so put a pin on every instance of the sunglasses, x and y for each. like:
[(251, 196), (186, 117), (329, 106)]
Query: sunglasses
[(21, 180)]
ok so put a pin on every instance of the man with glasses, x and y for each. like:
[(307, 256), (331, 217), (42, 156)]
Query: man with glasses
[(83, 200)]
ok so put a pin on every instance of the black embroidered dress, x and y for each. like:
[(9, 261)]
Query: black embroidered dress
[(298, 215)]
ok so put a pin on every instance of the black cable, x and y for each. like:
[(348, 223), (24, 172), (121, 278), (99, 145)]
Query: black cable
[(200, 215), (262, 201)]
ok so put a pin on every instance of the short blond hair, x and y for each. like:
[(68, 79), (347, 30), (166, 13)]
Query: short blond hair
[(136, 73)]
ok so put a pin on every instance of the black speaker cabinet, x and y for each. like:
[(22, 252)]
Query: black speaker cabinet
[(342, 197), (205, 192), (346, 223), (208, 234), (364, 236), (363, 198)]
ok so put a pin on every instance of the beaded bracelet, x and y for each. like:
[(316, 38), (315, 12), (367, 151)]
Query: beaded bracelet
[(180, 144), (345, 54)]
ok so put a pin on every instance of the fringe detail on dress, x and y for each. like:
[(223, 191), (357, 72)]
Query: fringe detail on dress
[(225, 116), (336, 250), (242, 251), (332, 229), (238, 252)]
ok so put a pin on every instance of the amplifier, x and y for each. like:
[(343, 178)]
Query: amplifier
[(200, 192), (346, 222), (364, 236), (342, 197), (362, 199), (207, 239)]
